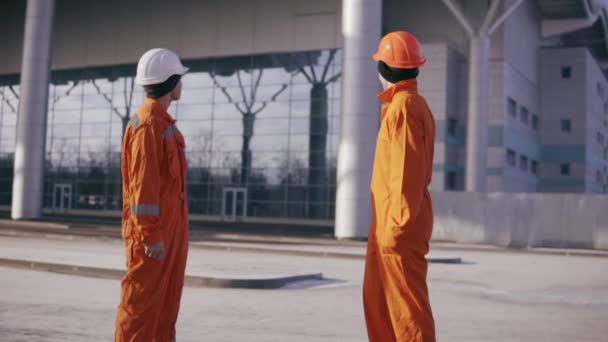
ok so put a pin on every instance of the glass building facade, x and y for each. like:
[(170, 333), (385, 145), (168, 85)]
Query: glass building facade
[(261, 134)]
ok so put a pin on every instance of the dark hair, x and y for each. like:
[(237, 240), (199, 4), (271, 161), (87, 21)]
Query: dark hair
[(155, 91), (395, 75)]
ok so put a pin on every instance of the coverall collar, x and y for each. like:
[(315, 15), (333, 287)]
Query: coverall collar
[(410, 86), (157, 108)]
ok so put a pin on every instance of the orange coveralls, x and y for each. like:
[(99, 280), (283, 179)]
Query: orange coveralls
[(155, 208), (395, 294)]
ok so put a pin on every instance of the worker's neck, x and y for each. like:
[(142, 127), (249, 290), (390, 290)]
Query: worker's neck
[(164, 101), (385, 84)]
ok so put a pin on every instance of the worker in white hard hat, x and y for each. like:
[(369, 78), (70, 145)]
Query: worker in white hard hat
[(155, 207)]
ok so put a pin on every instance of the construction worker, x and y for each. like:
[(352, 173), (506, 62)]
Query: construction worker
[(395, 294), (155, 207)]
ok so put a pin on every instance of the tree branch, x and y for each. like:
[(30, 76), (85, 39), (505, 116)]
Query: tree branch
[(13, 91), (124, 93), (130, 103), (242, 111), (105, 96), (238, 76), (260, 109), (305, 74), (67, 93), (254, 90), (223, 89), (4, 99), (312, 69), (333, 78), (274, 97), (332, 53)]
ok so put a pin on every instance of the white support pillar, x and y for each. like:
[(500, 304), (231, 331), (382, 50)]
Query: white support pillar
[(477, 123), (361, 29), (31, 120)]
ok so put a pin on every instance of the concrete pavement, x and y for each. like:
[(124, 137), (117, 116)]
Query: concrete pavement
[(491, 296), (105, 259)]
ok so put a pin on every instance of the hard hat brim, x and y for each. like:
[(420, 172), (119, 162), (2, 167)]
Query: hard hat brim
[(411, 65), (184, 71), (154, 80)]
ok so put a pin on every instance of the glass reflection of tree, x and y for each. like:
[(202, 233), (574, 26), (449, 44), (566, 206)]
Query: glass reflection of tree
[(317, 144), (6, 100), (249, 108), (125, 113), (6, 159), (56, 97), (64, 153)]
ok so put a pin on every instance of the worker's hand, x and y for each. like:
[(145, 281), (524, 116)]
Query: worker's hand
[(156, 251)]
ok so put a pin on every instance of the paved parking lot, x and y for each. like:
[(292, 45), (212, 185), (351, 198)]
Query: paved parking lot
[(490, 297)]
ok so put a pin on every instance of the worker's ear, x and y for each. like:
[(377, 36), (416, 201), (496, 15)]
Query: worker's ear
[(385, 84), (176, 93)]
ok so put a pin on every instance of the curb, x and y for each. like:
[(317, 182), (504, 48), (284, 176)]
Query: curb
[(260, 284), (190, 280), (326, 254), (524, 250), (109, 234), (33, 225)]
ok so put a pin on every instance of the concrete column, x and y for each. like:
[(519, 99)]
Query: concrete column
[(361, 29), (477, 124), (31, 119)]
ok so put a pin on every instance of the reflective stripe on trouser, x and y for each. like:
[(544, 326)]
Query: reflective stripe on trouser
[(145, 209)]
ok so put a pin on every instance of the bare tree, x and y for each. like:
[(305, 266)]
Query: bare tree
[(249, 109), (317, 144), (56, 98), (65, 155), (125, 113), (6, 100)]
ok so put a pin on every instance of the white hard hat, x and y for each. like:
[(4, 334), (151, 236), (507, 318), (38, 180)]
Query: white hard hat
[(157, 65)]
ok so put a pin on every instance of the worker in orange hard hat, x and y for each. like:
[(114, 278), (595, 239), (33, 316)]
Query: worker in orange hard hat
[(155, 207), (395, 294)]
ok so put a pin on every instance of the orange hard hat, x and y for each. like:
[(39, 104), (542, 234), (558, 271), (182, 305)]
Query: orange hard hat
[(400, 50)]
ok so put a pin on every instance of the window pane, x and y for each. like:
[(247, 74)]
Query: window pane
[(566, 125), (511, 157), (566, 72), (511, 107)]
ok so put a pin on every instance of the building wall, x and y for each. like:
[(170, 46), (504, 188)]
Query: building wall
[(227, 46), (519, 69), (443, 80), (12, 18), (597, 127), (118, 32), (438, 83), (513, 74), (522, 220), (113, 33), (457, 109), (563, 98), (432, 22)]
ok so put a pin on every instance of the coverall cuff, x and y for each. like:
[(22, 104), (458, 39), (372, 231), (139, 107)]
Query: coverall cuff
[(151, 236)]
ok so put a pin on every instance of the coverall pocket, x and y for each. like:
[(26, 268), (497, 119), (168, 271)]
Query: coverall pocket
[(390, 241)]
